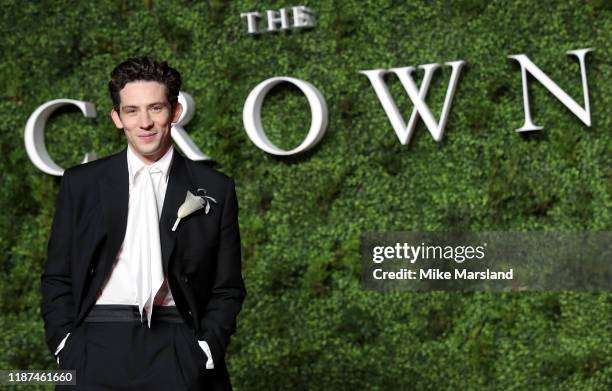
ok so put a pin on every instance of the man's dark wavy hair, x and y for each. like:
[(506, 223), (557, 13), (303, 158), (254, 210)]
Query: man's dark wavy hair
[(144, 69)]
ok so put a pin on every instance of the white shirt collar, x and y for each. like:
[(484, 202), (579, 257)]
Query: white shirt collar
[(135, 164)]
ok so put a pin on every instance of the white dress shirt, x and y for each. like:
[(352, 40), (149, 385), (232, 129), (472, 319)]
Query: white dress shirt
[(119, 288)]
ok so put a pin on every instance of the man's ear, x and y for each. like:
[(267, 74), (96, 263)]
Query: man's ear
[(116, 119), (178, 110)]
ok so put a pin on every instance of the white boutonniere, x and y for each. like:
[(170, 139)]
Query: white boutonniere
[(192, 203)]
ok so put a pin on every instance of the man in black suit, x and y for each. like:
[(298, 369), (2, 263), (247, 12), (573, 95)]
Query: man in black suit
[(133, 297)]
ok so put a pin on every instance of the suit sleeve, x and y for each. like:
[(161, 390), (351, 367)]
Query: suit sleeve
[(57, 307), (219, 320)]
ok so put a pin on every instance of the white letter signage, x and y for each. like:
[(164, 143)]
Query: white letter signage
[(404, 133), (584, 114), (34, 133), (251, 115), (303, 17), (180, 136)]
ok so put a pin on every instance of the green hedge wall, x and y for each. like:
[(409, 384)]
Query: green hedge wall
[(307, 323)]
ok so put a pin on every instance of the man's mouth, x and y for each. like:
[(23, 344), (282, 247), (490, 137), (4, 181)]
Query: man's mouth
[(147, 136)]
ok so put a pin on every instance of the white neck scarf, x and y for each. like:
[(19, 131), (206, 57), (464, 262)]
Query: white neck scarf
[(142, 232)]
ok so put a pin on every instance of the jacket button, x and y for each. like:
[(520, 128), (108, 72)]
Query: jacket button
[(91, 271), (186, 279)]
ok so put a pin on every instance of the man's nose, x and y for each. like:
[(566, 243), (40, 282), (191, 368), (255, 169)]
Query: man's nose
[(145, 121)]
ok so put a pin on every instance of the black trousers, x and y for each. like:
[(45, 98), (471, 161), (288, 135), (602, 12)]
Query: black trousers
[(113, 350)]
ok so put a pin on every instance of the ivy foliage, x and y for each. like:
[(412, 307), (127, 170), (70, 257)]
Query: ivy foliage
[(307, 324)]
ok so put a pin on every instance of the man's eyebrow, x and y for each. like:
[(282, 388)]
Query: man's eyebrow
[(149, 105)]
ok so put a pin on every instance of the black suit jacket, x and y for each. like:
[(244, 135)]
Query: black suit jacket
[(201, 259)]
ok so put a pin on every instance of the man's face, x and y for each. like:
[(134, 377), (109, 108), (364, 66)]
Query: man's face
[(146, 118)]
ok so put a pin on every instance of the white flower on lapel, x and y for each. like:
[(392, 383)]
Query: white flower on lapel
[(192, 203)]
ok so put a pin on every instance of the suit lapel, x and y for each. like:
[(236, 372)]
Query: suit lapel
[(114, 193), (178, 184)]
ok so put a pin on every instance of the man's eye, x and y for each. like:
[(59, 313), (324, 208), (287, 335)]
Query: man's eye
[(157, 108)]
